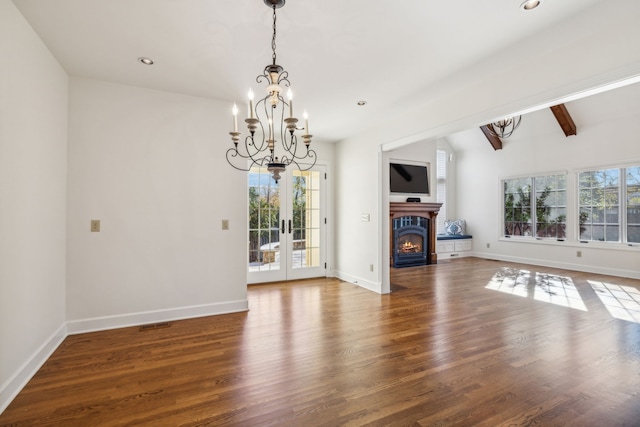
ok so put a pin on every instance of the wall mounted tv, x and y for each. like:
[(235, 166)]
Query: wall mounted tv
[(408, 179)]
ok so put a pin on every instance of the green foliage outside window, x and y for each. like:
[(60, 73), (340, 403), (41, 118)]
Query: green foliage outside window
[(542, 216)]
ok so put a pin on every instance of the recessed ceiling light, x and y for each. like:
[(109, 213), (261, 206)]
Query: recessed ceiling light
[(530, 4), (145, 61), (361, 103)]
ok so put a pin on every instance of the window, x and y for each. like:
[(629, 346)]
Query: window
[(535, 206), (609, 205), (633, 204), (441, 188)]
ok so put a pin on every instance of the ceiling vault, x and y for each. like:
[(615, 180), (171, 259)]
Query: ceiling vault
[(564, 119)]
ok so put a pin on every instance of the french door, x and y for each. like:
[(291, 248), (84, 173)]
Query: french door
[(286, 225)]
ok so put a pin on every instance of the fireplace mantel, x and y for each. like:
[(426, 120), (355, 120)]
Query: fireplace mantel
[(424, 210)]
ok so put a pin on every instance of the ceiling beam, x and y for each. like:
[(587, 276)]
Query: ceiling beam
[(495, 142), (564, 119)]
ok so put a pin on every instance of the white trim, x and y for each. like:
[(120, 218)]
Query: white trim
[(535, 175), (590, 244), (10, 389), (359, 281), (611, 165), (134, 319), (564, 265)]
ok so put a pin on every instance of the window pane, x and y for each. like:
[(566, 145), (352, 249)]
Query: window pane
[(612, 233), (599, 205), (550, 206), (633, 233), (633, 215), (517, 206), (597, 233), (585, 197), (633, 204), (585, 179)]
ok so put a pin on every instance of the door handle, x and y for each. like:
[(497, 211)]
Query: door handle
[(282, 226), (289, 226)]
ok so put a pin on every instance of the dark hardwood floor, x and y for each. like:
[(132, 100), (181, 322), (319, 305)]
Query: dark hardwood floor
[(467, 342)]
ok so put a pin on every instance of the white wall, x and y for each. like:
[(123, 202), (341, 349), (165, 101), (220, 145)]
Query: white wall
[(358, 242), (33, 158), (151, 166), (607, 127)]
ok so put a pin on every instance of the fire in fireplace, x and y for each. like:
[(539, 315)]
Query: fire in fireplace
[(410, 242), (409, 246)]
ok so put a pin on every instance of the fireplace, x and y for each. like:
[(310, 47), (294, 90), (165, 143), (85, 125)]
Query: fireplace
[(427, 214), (410, 241)]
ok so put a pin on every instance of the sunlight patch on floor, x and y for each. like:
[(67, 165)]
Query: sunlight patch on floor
[(550, 288), (558, 290), (622, 302), (511, 281)]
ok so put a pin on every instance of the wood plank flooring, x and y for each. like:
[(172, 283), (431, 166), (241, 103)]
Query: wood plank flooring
[(467, 342)]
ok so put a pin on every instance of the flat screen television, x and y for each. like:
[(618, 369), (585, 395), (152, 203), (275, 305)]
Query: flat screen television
[(408, 179)]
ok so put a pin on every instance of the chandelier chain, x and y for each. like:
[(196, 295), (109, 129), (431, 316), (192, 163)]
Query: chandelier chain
[(273, 41)]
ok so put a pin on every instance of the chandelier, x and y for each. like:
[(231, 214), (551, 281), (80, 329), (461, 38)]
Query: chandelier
[(272, 141), (504, 128)]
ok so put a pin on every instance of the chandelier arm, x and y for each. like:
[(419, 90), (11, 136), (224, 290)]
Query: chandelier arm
[(293, 147), (263, 135), (311, 154), (283, 79), (308, 166), (234, 153), (283, 129), (249, 142)]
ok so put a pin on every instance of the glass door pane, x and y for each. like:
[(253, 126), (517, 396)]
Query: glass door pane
[(306, 219), (264, 222)]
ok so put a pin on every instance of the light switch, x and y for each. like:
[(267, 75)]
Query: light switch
[(365, 217), (225, 224), (95, 225)]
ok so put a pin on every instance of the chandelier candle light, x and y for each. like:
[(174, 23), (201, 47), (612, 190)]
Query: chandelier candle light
[(259, 148)]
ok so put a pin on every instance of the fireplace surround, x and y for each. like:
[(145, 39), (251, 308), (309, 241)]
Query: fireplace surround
[(428, 211), (410, 241)]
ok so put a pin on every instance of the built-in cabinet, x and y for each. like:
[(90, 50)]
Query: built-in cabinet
[(453, 248)]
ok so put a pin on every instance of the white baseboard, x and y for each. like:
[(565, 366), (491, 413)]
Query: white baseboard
[(359, 281), (134, 319), (564, 265), (10, 389)]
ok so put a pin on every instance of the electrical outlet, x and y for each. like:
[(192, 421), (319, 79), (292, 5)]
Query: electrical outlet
[(579, 254), (225, 224), (488, 245), (95, 225), (371, 268)]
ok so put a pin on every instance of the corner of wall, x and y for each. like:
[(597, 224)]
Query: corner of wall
[(10, 389)]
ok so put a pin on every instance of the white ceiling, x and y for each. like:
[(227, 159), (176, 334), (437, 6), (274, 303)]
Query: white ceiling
[(337, 52)]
